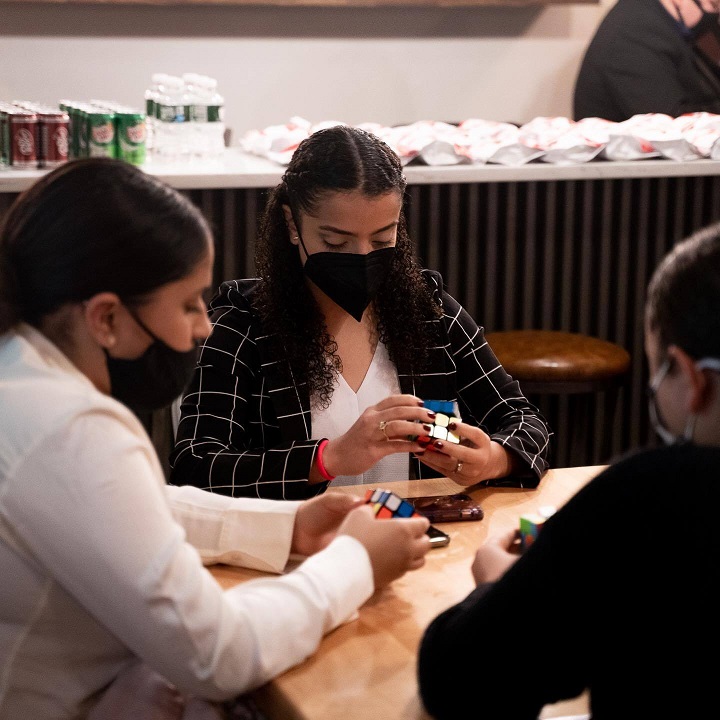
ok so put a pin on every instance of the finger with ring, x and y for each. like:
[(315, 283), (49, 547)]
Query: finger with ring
[(459, 466), (382, 426)]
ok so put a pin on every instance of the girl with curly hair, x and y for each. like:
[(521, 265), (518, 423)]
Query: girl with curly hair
[(317, 369)]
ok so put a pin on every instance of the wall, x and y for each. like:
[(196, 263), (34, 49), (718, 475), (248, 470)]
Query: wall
[(389, 65)]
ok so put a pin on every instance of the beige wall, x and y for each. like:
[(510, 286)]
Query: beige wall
[(391, 66)]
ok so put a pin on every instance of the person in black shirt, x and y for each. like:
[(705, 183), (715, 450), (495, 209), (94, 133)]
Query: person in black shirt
[(651, 56), (623, 578)]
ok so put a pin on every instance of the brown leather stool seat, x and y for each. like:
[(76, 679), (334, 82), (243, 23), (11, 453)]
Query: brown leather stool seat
[(563, 363)]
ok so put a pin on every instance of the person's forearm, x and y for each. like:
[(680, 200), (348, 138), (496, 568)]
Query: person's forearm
[(248, 532)]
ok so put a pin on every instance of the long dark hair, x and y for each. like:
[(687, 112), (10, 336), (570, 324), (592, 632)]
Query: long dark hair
[(90, 226), (683, 298), (337, 159)]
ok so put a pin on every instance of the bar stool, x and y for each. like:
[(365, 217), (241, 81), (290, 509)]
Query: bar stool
[(553, 362)]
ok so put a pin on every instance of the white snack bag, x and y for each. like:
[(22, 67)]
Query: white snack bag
[(276, 142), (480, 139), (632, 139), (410, 142), (581, 142), (701, 130)]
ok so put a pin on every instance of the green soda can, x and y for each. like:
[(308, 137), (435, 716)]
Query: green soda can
[(4, 135), (101, 133), (69, 107), (131, 134), (80, 131)]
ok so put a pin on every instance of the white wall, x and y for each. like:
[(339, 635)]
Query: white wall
[(388, 65)]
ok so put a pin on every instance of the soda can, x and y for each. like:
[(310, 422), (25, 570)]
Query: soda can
[(54, 137), (4, 135), (68, 106), (79, 130), (100, 126), (131, 133), (23, 139)]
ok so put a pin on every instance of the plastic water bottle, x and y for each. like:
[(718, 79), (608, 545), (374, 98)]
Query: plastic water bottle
[(152, 94), (194, 116), (171, 128), (206, 113)]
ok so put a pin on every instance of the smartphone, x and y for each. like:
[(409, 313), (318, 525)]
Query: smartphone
[(447, 508), (438, 538), (386, 503)]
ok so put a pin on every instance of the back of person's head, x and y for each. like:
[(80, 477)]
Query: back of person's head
[(91, 226), (683, 299)]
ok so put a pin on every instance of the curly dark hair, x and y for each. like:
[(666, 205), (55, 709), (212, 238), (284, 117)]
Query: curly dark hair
[(338, 159)]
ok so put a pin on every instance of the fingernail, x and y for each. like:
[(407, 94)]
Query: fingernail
[(427, 428), (452, 426), (431, 414), (438, 444)]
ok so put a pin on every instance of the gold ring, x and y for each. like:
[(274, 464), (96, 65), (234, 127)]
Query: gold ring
[(459, 466), (382, 425)]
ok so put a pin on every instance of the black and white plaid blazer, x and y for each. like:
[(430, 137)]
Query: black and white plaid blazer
[(245, 431)]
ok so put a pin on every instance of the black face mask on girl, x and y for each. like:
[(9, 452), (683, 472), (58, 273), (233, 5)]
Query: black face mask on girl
[(349, 279), (153, 380)]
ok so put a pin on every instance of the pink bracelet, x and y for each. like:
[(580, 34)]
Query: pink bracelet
[(319, 460)]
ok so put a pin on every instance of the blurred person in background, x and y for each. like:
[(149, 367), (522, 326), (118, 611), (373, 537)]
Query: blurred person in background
[(651, 56)]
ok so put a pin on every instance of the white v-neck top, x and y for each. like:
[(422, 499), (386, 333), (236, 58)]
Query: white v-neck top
[(345, 408)]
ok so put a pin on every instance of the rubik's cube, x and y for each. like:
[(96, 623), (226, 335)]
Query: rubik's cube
[(387, 504), (531, 524), (445, 411)]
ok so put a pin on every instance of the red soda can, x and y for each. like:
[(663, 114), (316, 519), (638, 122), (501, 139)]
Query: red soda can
[(54, 137), (23, 139)]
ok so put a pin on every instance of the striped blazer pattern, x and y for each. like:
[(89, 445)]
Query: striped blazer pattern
[(245, 425)]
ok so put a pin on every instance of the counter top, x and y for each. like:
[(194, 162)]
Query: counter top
[(238, 169)]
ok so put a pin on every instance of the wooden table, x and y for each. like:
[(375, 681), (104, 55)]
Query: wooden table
[(366, 668)]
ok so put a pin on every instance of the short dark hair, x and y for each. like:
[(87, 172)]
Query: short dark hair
[(683, 298), (90, 226)]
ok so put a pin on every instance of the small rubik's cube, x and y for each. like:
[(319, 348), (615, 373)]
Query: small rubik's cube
[(445, 411), (387, 504), (531, 524)]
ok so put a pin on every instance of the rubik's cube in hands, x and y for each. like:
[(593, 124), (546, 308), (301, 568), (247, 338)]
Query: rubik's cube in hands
[(387, 504), (445, 412)]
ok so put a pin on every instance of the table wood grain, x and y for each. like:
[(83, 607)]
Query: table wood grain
[(366, 668)]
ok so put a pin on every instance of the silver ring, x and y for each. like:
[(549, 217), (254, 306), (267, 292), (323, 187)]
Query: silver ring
[(381, 426), (458, 467)]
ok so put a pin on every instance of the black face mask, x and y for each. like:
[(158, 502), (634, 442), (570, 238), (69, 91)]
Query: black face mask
[(153, 380), (348, 279)]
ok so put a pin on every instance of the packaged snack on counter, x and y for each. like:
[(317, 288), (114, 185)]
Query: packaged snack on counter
[(633, 138)]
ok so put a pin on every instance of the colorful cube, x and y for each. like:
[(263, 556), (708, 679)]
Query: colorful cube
[(387, 504), (445, 411), (531, 524)]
